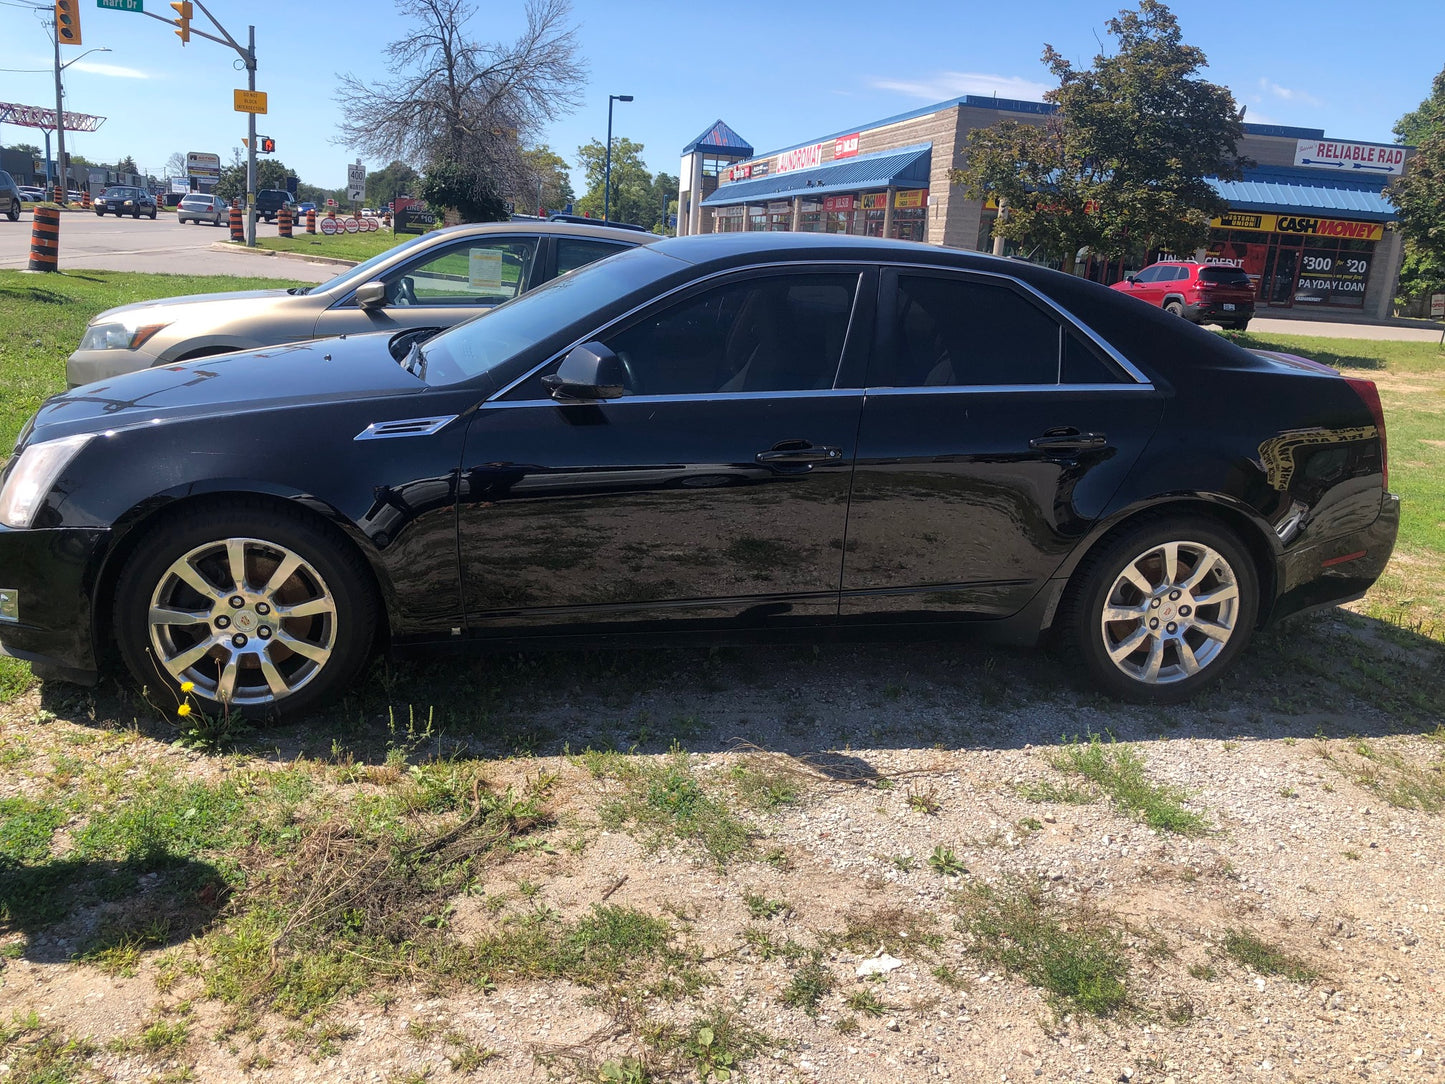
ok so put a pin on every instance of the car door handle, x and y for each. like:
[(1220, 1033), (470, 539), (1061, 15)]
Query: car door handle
[(1068, 440), (799, 453)]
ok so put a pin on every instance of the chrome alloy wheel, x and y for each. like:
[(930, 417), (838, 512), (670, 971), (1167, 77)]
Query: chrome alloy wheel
[(248, 621), (1170, 612)]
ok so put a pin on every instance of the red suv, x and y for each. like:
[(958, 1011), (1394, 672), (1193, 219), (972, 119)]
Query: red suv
[(1205, 293)]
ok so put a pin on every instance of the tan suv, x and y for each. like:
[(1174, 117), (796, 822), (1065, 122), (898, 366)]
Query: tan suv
[(435, 280)]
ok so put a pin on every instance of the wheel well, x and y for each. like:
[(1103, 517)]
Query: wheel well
[(1235, 522), (143, 527)]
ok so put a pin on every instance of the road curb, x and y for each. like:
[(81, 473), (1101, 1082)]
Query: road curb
[(227, 246)]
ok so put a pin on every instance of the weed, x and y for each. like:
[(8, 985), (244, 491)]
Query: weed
[(923, 801), (1072, 953), (948, 977), (667, 799), (1403, 783), (865, 1001), (1353, 856), (762, 907), (890, 928), (944, 861), (1180, 1010), (624, 1071), (763, 786), (1248, 948), (469, 1058), (810, 982), (1119, 772), (847, 1025), (904, 862), (1204, 972), (1045, 790)]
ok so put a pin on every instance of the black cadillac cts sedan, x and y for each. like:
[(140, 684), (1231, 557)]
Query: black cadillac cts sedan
[(740, 435)]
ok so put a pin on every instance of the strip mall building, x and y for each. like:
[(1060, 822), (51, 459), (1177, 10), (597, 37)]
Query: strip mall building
[(1307, 222)]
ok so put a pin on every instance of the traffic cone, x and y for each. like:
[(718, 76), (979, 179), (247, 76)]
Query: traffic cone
[(238, 229), (44, 239)]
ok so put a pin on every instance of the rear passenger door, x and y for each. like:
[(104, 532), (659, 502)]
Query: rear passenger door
[(994, 433)]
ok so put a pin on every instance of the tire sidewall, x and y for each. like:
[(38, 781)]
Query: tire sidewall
[(1097, 579), (342, 569)]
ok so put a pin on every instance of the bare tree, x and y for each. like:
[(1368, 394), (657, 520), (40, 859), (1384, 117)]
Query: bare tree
[(458, 103), (176, 165)]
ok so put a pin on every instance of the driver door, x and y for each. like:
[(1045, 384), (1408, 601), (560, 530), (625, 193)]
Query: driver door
[(441, 287)]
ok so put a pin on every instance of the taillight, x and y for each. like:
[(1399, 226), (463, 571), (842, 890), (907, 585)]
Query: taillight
[(1370, 396)]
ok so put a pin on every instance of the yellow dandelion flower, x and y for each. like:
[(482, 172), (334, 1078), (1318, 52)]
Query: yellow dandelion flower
[(183, 710), (187, 686)]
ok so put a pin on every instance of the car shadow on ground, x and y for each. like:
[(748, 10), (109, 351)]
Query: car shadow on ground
[(1337, 674)]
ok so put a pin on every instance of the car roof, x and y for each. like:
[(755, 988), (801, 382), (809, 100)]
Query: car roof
[(553, 229)]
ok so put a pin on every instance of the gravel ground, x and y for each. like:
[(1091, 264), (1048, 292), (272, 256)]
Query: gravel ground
[(1303, 849)]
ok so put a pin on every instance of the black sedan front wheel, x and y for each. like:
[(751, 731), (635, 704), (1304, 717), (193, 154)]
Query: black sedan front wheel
[(14, 212), (261, 611), (1163, 609)]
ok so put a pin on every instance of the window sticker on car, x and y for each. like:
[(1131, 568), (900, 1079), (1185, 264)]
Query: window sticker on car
[(484, 270)]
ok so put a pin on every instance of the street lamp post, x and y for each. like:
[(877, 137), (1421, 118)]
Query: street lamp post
[(60, 114), (607, 168)]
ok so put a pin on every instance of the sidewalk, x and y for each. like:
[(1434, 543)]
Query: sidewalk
[(1289, 322)]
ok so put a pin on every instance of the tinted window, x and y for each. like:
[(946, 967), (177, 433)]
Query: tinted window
[(960, 332), (1149, 274), (1227, 276), (1179, 274), (1081, 364), (774, 333), (573, 252)]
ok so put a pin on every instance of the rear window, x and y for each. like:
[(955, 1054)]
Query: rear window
[(1224, 276)]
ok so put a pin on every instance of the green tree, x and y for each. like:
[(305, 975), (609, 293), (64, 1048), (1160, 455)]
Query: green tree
[(1420, 196), (1122, 161), (270, 173), (631, 182), (664, 199), (125, 165), (552, 189), (384, 185), (458, 188)]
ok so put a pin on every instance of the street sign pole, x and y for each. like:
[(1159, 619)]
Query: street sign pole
[(60, 127), (250, 59)]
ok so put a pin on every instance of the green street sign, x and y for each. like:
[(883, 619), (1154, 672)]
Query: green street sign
[(122, 5)]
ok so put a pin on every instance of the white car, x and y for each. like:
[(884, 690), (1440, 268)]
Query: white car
[(199, 207)]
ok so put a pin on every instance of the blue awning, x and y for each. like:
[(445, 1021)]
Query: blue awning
[(1307, 191), (906, 167), (720, 139)]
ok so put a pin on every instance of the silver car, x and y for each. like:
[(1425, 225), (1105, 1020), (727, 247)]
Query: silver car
[(199, 207), (435, 280)]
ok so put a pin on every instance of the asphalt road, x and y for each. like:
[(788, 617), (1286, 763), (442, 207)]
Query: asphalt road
[(127, 244)]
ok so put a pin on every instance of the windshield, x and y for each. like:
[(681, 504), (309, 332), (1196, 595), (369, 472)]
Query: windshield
[(551, 316), (1226, 276), (355, 276)]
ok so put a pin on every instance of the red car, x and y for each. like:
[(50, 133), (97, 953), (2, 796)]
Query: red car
[(1204, 293)]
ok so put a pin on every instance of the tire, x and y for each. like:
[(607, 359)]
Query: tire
[(153, 215), (14, 211), (1174, 308), (136, 214), (229, 637), (99, 214), (1164, 666), (1241, 325)]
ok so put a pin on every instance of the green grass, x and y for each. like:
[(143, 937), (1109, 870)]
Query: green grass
[(340, 246), (1248, 948), (1118, 771), (43, 316), (1073, 954)]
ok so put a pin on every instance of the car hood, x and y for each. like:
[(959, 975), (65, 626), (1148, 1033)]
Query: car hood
[(206, 306), (309, 373)]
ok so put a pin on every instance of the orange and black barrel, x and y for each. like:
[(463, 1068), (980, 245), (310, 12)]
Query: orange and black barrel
[(311, 220), (45, 239), (85, 198), (283, 223), (238, 229), (58, 194)]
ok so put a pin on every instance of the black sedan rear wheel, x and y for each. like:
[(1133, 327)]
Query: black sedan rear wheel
[(261, 611), (1162, 609), (14, 211)]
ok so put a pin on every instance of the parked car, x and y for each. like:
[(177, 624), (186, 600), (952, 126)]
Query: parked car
[(200, 207), (124, 200), (436, 280), (269, 202), (10, 197), (31, 194), (558, 216), (1203, 293), (694, 427)]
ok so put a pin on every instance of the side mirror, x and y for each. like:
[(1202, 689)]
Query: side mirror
[(1132, 280), (371, 295), (588, 372)]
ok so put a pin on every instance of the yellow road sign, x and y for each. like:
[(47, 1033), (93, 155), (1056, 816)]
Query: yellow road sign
[(250, 101)]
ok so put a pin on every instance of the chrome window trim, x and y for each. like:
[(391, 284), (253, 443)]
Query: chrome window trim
[(1009, 389), (862, 266), (698, 397), (1067, 318)]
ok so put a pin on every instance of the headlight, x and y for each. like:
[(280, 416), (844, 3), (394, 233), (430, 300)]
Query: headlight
[(33, 475), (117, 336)]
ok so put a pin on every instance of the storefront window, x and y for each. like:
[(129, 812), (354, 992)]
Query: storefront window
[(757, 217), (727, 220), (1309, 267), (810, 216), (780, 215)]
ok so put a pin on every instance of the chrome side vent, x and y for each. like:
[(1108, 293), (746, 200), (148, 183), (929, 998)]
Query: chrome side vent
[(405, 427)]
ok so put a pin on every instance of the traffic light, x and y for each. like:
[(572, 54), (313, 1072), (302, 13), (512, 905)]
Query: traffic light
[(268, 145), (183, 11), (67, 22)]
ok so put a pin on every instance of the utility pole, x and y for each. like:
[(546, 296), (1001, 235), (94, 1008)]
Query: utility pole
[(60, 124)]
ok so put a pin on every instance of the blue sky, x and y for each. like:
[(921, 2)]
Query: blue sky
[(779, 74)]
